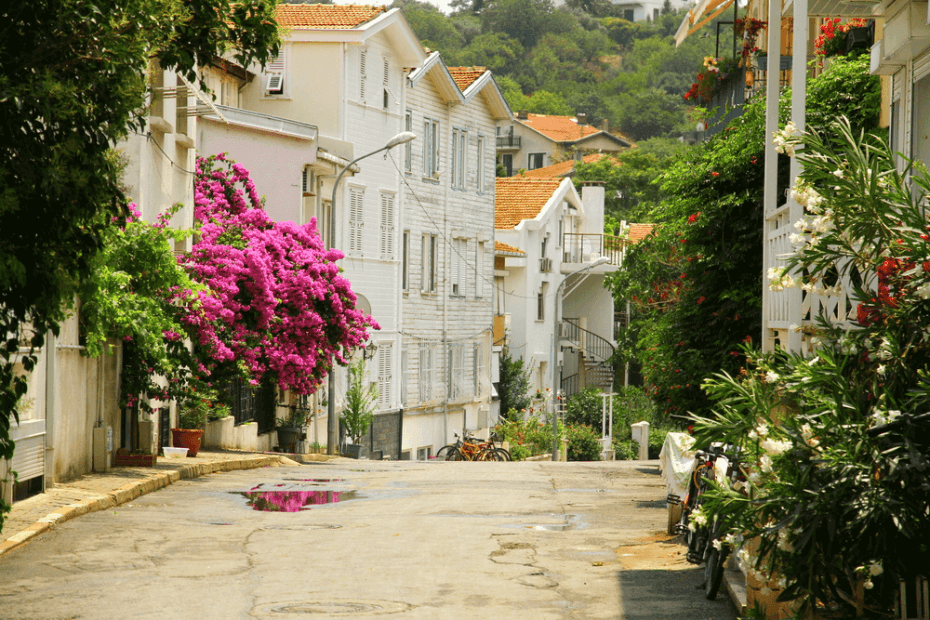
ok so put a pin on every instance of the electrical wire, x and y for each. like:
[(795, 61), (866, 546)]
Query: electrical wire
[(148, 136)]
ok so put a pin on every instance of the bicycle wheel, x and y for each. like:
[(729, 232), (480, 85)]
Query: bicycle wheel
[(504, 453), (443, 453), (713, 570), (488, 455), (455, 455)]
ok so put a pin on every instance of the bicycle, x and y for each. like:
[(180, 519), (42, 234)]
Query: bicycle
[(473, 449), (700, 537)]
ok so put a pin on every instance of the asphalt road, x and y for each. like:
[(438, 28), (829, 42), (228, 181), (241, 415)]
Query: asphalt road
[(403, 539)]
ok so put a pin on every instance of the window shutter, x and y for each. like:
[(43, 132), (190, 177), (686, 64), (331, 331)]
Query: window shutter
[(387, 226), (424, 373), (384, 376), (362, 62), (479, 270), (356, 220), (455, 158)]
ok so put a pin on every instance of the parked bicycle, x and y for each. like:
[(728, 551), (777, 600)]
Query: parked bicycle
[(471, 448), (705, 538)]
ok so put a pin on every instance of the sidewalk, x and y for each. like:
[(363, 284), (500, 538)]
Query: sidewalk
[(100, 491)]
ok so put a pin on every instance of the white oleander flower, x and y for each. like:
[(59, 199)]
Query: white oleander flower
[(772, 376), (868, 585), (875, 569), (765, 463), (775, 447)]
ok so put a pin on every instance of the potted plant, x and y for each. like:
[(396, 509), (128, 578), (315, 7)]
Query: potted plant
[(192, 418), (291, 429), (357, 415)]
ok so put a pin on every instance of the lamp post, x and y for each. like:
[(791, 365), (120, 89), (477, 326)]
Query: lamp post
[(555, 340), (333, 423)]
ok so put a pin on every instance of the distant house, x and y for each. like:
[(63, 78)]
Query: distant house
[(547, 235), (534, 141), (643, 10)]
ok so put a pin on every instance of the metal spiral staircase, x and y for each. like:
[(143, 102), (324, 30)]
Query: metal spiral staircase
[(593, 354)]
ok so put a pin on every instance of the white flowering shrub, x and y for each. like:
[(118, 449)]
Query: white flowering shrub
[(837, 499)]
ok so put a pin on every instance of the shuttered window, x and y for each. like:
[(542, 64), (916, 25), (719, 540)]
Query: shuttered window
[(479, 165), (428, 266), (457, 263), (385, 369), (479, 270), (362, 69), (430, 148), (356, 220), (387, 226), (424, 373)]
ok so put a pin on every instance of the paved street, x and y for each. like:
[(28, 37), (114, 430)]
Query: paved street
[(413, 540)]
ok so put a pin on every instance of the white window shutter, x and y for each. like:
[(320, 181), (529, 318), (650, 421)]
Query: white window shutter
[(356, 220), (384, 375), (404, 375), (362, 62), (387, 226)]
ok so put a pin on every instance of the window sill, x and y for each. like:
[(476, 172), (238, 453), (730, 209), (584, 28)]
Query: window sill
[(431, 180)]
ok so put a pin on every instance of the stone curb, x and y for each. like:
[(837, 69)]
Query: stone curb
[(131, 491)]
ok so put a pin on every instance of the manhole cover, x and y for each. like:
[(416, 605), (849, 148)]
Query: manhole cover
[(332, 608), (302, 528)]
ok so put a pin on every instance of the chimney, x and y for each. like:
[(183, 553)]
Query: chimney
[(592, 197), (523, 115), (582, 118), (605, 125)]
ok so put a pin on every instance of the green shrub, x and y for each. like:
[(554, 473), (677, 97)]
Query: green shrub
[(527, 437), (583, 443), (626, 450)]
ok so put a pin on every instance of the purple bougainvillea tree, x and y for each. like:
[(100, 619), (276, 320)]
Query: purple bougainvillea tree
[(275, 305)]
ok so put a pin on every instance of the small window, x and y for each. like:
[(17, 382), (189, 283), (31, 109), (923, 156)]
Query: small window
[(362, 69), (274, 75), (459, 156), (534, 161), (431, 149), (457, 262), (479, 270), (424, 454), (428, 268), (541, 302), (385, 370)]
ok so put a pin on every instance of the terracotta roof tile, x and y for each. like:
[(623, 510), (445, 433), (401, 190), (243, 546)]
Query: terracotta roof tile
[(638, 232), (563, 169), (464, 76), (520, 198), (503, 247), (558, 128), (326, 16)]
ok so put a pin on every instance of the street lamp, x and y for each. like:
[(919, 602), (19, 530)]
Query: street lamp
[(332, 423), (555, 339)]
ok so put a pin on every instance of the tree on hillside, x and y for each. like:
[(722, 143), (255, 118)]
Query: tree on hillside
[(648, 113), (524, 20), (72, 84), (433, 28)]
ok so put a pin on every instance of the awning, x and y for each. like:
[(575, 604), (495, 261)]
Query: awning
[(696, 17)]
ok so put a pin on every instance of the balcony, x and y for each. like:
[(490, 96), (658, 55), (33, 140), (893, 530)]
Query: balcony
[(508, 143), (583, 248)]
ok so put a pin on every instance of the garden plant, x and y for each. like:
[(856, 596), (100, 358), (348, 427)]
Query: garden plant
[(836, 439)]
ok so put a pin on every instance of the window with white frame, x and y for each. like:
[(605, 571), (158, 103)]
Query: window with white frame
[(920, 134), (479, 164), (385, 371), (428, 263), (356, 220), (459, 157), (479, 270), (431, 149), (425, 373), (477, 367), (387, 226), (405, 261), (408, 148), (457, 264), (362, 73), (534, 161), (423, 454)]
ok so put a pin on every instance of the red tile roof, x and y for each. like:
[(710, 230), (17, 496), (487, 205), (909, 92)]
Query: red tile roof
[(563, 169), (638, 232), (520, 198), (464, 76), (326, 16), (503, 247), (558, 128)]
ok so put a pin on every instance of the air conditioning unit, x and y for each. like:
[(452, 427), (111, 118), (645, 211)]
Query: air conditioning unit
[(545, 264)]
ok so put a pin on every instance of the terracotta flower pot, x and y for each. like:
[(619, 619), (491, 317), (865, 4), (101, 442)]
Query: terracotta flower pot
[(187, 438)]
